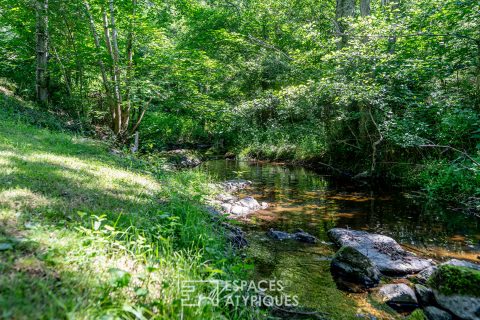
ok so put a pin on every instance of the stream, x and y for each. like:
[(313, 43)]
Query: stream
[(301, 198)]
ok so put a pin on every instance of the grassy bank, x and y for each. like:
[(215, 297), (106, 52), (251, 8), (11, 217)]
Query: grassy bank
[(87, 234)]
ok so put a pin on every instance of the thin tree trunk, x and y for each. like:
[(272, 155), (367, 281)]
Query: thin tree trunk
[(129, 76), (100, 61), (42, 40), (113, 80), (64, 72), (393, 5), (118, 125), (97, 46), (478, 73)]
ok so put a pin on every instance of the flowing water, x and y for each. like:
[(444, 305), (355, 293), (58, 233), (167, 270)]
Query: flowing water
[(301, 198)]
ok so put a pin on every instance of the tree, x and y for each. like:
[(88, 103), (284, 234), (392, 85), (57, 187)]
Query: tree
[(42, 40)]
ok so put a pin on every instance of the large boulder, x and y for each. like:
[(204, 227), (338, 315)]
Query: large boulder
[(457, 289), (386, 253), (433, 313), (353, 271), (398, 296)]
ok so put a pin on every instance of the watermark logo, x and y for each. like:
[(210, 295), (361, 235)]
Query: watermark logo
[(266, 293), (191, 297)]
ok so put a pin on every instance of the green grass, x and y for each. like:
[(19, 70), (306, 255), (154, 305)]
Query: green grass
[(86, 234)]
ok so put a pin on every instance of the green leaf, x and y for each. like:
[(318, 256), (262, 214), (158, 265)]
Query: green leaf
[(119, 278)]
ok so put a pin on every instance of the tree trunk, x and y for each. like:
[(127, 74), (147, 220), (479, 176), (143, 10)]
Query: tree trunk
[(344, 9), (97, 46), (129, 75), (364, 8), (41, 85), (118, 125)]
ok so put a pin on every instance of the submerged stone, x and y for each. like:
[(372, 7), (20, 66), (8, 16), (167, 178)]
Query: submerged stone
[(299, 235), (279, 235), (303, 236), (235, 235)]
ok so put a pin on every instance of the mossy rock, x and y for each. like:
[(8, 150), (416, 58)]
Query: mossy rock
[(354, 271), (417, 315), (455, 280)]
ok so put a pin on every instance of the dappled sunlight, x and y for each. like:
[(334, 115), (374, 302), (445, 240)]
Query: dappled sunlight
[(105, 175), (18, 199), (76, 183)]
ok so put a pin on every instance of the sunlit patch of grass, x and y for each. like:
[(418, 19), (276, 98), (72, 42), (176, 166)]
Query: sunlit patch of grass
[(21, 198), (93, 235)]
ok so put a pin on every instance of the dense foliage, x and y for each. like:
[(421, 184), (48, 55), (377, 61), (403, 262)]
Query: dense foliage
[(388, 88)]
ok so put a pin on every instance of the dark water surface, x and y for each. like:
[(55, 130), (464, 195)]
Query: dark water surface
[(300, 198)]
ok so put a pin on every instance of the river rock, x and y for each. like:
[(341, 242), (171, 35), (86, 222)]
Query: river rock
[(235, 185), (462, 263), (433, 313), (464, 307), (279, 235), (222, 197), (457, 289), (424, 295), (398, 296), (299, 235), (386, 253), (241, 207), (426, 273), (250, 203), (239, 210), (235, 235), (303, 236), (183, 158), (353, 271)]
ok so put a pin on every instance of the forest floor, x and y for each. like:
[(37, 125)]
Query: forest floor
[(88, 234)]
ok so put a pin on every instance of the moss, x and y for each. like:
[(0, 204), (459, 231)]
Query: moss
[(417, 315), (449, 280), (349, 254)]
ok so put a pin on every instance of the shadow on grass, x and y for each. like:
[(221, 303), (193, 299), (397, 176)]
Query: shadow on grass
[(51, 181)]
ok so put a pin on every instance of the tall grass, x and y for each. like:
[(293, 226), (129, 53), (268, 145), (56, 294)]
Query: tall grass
[(87, 234)]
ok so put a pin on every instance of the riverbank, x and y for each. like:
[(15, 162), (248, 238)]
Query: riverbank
[(87, 233), (429, 180)]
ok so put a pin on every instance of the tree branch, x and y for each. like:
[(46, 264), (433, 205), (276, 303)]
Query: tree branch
[(451, 148)]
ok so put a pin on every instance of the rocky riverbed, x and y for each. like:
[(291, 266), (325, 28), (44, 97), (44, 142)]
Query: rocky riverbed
[(449, 290)]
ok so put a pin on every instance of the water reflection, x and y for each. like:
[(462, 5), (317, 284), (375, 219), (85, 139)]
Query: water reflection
[(300, 198)]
